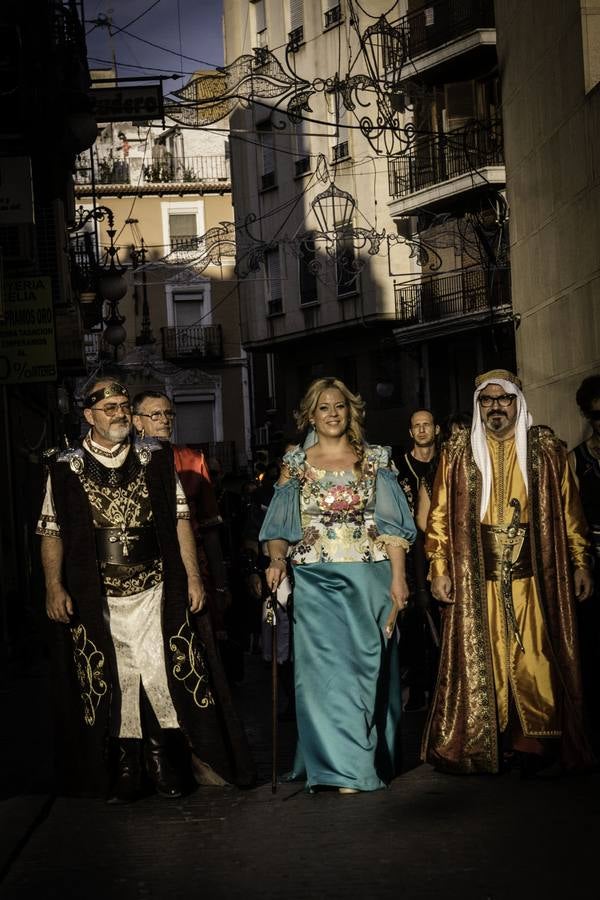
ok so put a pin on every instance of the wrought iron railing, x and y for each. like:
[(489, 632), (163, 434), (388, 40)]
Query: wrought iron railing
[(188, 168), (198, 342), (437, 297), (179, 170), (445, 156), (295, 38), (441, 21), (275, 307)]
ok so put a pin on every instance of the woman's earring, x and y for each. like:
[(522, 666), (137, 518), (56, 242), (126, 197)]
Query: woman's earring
[(142, 433)]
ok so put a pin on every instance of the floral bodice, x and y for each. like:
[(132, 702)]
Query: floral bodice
[(337, 511)]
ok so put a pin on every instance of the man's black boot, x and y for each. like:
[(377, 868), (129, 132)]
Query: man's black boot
[(127, 786), (158, 768)]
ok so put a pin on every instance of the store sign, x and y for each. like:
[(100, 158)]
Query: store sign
[(135, 103), (27, 350), (16, 190)]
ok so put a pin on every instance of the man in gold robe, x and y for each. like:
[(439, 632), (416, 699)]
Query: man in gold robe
[(506, 539)]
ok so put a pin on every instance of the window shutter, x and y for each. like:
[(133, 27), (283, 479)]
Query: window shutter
[(274, 274), (268, 159), (296, 14), (260, 16)]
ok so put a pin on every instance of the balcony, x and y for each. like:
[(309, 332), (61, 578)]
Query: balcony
[(441, 304), (78, 355), (193, 344), (189, 169), (447, 165), (275, 307), (442, 30), (333, 16), (295, 39), (301, 166)]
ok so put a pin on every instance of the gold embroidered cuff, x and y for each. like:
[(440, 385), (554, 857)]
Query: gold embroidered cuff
[(391, 540), (438, 567)]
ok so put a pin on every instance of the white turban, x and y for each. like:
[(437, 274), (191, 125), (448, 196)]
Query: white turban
[(481, 453)]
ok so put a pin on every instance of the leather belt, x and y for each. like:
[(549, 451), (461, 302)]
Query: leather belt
[(126, 547), (494, 539)]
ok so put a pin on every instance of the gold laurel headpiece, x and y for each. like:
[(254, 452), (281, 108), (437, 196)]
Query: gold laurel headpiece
[(503, 374), (110, 390)]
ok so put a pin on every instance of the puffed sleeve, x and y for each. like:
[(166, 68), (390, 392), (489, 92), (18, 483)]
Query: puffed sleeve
[(282, 519), (392, 516)]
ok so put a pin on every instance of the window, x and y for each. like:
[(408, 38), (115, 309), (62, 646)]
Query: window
[(195, 419), (296, 33), (332, 13), (590, 35), (260, 23), (345, 262), (182, 230), (268, 178), (302, 163), (340, 148), (274, 291), (306, 272)]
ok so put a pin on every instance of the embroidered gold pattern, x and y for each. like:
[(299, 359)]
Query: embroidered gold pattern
[(89, 667), (189, 666), (480, 641)]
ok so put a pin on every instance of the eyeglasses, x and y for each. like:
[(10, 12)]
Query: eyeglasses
[(111, 409), (167, 414), (503, 400)]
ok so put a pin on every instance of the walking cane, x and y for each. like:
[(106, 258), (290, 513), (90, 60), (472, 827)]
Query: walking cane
[(272, 621)]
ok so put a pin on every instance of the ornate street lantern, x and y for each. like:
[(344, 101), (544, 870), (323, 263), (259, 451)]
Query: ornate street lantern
[(334, 209), (384, 47)]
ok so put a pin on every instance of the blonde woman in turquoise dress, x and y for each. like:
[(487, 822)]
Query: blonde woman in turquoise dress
[(340, 516)]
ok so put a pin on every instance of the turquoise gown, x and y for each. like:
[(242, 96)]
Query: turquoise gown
[(346, 670)]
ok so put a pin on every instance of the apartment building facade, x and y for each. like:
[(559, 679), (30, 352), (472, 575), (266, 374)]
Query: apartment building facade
[(168, 188), (410, 321)]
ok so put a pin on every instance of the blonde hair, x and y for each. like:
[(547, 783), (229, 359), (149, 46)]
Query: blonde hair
[(355, 403)]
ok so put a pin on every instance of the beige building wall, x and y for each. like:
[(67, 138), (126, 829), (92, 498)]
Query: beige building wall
[(363, 174), (548, 55)]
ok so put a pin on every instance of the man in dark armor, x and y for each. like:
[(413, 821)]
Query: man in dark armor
[(122, 579)]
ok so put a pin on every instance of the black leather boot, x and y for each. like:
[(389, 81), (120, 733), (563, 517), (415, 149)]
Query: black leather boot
[(127, 786), (158, 768)]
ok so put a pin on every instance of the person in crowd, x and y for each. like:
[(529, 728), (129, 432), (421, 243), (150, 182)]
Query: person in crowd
[(506, 538), (239, 562), (585, 463), (340, 516), (153, 416), (419, 639), (451, 424), (122, 582)]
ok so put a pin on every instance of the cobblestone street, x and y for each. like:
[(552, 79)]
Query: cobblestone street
[(429, 835)]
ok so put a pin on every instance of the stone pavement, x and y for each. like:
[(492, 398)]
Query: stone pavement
[(428, 836)]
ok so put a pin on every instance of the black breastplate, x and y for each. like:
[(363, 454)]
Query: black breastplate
[(106, 477)]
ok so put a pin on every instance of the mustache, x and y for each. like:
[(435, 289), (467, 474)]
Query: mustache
[(119, 422), (496, 412)]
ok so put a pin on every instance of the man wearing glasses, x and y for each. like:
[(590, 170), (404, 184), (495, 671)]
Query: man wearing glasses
[(121, 572), (509, 560)]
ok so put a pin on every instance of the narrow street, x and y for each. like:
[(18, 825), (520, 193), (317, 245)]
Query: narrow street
[(429, 835)]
